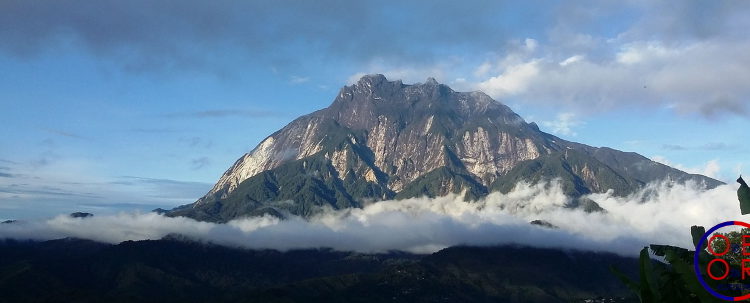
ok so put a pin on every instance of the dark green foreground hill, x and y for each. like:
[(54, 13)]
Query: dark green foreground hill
[(72, 270)]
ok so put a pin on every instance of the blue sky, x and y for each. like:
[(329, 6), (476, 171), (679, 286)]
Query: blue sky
[(121, 105)]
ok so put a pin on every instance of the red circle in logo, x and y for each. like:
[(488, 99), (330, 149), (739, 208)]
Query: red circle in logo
[(711, 249)]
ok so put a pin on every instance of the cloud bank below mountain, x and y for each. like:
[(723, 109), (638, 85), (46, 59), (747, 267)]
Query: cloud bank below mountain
[(660, 213)]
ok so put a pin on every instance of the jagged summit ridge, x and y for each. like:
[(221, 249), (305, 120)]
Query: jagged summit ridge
[(382, 139), (359, 105), (394, 117)]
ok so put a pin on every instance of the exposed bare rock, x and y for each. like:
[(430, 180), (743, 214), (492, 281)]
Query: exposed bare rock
[(382, 139)]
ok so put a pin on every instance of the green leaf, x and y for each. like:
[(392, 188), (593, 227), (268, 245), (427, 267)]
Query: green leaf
[(686, 272), (697, 232), (649, 280), (743, 194), (632, 285)]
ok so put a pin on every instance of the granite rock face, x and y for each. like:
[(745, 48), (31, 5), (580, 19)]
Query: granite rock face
[(383, 139)]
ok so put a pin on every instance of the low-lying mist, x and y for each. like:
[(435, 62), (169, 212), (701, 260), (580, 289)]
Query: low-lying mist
[(659, 213)]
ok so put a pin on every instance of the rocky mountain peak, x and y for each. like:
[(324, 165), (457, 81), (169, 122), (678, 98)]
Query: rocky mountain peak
[(373, 97), (372, 80), (383, 139)]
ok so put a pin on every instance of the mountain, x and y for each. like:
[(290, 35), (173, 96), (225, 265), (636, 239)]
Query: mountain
[(383, 139), (173, 270)]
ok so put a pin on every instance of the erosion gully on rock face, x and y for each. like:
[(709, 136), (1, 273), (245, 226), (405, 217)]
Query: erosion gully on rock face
[(383, 139)]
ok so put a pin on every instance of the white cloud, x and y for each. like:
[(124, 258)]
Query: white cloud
[(483, 69), (70, 184), (690, 78), (354, 78), (426, 225), (578, 72), (570, 60), (530, 44), (711, 168), (662, 160), (514, 80), (563, 125), (641, 52)]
